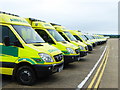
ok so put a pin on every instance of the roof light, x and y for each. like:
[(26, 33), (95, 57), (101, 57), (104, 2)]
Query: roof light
[(17, 15), (79, 31), (9, 14), (33, 19), (55, 24)]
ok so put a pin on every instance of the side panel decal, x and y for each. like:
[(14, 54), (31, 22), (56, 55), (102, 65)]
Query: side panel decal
[(9, 50), (26, 59)]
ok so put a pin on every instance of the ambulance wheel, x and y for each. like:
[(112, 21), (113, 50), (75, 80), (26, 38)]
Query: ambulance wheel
[(25, 75)]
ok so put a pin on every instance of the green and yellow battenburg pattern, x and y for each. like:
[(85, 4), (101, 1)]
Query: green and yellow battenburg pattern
[(10, 56)]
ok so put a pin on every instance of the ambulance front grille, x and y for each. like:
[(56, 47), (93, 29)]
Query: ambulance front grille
[(58, 57), (77, 51)]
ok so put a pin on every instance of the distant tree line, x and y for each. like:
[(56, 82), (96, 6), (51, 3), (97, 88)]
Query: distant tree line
[(113, 36)]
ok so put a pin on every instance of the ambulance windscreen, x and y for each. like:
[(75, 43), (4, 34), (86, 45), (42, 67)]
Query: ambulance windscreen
[(56, 35), (28, 34)]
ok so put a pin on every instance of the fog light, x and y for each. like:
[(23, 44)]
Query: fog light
[(72, 57), (49, 68)]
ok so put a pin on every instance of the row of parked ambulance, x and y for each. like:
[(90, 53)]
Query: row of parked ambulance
[(32, 48)]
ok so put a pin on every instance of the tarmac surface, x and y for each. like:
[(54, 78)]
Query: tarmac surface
[(74, 73), (110, 76)]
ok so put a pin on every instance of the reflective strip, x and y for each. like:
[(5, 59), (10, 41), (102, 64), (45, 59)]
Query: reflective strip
[(26, 59)]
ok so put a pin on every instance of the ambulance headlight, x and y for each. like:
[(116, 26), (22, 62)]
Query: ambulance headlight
[(46, 57), (82, 48), (70, 50)]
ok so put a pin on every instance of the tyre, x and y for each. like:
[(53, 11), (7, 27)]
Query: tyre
[(25, 75)]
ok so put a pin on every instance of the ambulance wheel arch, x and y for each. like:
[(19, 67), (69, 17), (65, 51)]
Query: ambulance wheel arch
[(24, 73)]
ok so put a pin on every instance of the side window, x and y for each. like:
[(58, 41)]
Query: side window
[(6, 32), (77, 38), (45, 36), (86, 37), (63, 36)]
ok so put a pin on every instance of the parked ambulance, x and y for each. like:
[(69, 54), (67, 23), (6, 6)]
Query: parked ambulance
[(78, 35), (70, 38), (90, 40), (25, 55), (50, 35)]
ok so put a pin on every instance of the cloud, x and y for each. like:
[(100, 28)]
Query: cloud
[(87, 15)]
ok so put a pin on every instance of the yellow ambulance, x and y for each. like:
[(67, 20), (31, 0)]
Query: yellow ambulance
[(24, 54), (70, 38), (100, 38), (50, 35), (78, 35), (91, 40)]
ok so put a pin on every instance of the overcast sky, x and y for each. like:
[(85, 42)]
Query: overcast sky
[(92, 16)]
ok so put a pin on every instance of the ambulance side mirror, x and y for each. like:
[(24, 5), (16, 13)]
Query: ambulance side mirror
[(6, 41)]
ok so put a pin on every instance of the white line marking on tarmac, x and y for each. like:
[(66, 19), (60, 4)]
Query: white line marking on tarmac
[(90, 73), (112, 48), (101, 47)]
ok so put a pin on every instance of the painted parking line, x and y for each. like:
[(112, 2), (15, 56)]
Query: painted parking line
[(91, 72), (102, 71), (101, 47), (99, 71)]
